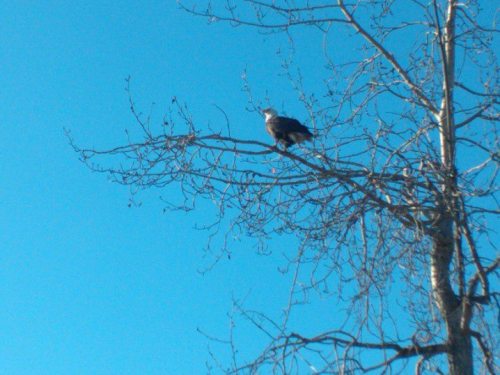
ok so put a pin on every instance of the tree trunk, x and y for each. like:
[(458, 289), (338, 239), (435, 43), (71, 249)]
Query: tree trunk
[(460, 354), (445, 239), (459, 340)]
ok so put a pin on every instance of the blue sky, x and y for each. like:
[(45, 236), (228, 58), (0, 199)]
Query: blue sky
[(88, 285)]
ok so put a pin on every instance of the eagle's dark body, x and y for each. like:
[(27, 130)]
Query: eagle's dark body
[(285, 130)]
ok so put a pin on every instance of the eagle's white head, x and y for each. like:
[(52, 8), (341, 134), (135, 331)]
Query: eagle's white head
[(269, 113)]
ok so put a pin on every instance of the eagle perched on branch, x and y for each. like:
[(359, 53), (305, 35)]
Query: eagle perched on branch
[(285, 130)]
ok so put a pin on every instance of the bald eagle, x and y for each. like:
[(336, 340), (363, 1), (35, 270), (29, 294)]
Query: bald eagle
[(284, 130)]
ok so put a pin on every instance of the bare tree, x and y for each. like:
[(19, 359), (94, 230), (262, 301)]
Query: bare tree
[(396, 199)]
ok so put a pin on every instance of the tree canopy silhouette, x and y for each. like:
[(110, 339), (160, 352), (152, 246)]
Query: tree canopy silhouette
[(393, 204)]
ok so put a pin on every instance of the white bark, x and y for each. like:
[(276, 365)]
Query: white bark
[(444, 247)]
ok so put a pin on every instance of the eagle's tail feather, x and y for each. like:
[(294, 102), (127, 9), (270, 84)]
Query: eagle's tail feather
[(300, 137)]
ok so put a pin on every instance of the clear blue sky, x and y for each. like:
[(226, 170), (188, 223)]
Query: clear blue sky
[(88, 285)]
